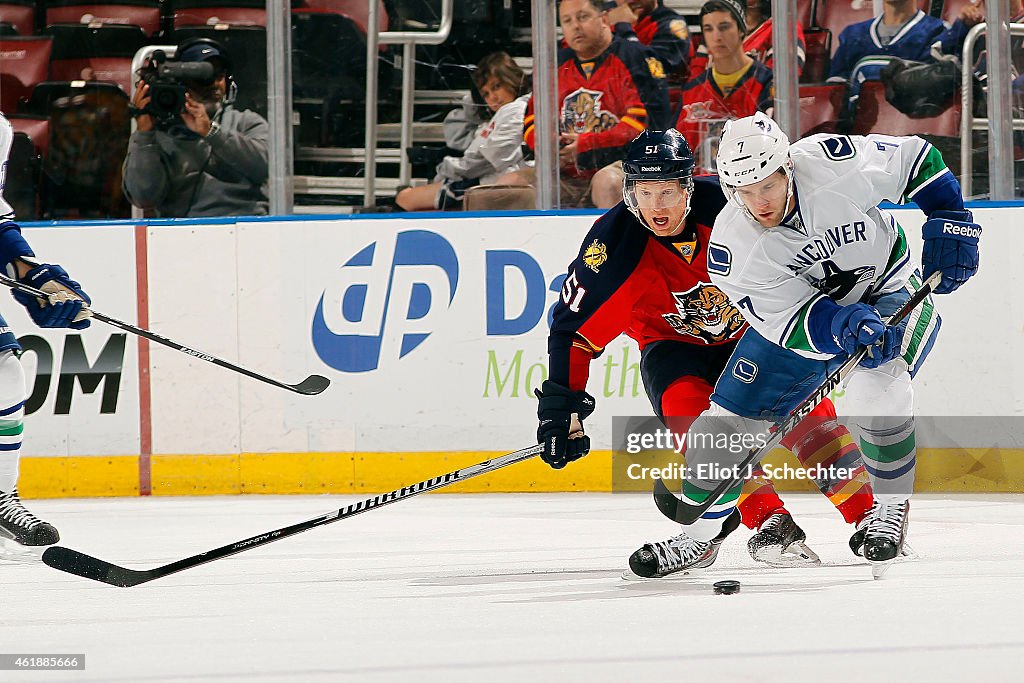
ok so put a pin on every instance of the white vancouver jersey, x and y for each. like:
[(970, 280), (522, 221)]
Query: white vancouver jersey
[(837, 243)]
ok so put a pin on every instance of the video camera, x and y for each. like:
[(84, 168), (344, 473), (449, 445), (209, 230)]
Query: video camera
[(166, 79)]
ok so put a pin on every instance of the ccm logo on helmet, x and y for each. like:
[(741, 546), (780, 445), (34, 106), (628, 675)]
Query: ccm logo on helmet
[(740, 174), (964, 230)]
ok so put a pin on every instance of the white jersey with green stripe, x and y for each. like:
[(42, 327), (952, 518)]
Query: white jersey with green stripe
[(836, 243)]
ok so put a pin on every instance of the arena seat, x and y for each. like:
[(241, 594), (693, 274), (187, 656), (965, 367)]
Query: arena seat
[(36, 127), (142, 13), (356, 10), (225, 13), (820, 108), (24, 61), (818, 42), (873, 114), (21, 14), (95, 53)]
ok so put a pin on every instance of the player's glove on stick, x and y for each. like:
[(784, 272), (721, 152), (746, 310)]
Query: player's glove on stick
[(65, 304), (950, 246), (860, 325), (561, 412)]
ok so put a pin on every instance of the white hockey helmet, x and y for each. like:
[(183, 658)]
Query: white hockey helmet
[(751, 149), (6, 138)]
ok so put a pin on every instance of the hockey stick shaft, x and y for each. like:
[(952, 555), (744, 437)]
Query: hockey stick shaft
[(684, 513), (80, 564), (314, 384)]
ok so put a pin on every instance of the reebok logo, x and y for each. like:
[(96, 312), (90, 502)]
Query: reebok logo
[(650, 169), (962, 230)]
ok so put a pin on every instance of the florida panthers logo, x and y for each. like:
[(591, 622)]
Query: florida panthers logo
[(582, 113), (705, 312)]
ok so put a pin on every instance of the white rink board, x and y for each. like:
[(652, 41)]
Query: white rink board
[(406, 334), (442, 394), (102, 258)]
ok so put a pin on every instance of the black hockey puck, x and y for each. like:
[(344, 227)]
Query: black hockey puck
[(727, 587)]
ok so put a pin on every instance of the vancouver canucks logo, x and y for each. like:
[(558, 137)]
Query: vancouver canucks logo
[(582, 113), (838, 283), (595, 255), (706, 313)]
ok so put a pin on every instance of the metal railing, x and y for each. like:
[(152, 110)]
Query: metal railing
[(408, 40), (970, 123)]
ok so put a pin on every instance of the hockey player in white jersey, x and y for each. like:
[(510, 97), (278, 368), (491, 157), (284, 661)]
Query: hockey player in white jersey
[(815, 267), (66, 306)]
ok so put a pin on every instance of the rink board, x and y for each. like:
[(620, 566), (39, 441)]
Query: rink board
[(433, 331)]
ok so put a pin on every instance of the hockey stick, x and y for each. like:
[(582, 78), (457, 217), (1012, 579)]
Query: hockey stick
[(675, 509), (80, 564), (314, 384)]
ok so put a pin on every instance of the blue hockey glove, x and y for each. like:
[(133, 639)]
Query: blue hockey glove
[(561, 412), (950, 246), (860, 325), (66, 298)]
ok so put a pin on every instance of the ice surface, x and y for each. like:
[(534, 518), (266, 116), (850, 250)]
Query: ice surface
[(514, 588)]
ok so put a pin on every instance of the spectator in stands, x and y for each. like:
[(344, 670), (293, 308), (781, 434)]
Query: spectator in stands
[(609, 90), (736, 85), (901, 30), (495, 149), (209, 161), (758, 40), (660, 28)]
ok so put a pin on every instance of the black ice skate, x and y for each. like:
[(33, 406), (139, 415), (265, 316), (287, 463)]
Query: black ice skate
[(679, 553), (20, 526), (781, 543), (884, 535)]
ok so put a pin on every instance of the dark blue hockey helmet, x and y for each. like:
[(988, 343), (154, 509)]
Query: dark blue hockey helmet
[(658, 156)]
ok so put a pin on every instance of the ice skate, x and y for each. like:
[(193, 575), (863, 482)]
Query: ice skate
[(779, 542), (678, 554), (857, 542), (22, 534), (884, 535)]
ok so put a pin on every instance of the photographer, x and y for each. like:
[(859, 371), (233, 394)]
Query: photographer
[(193, 153)]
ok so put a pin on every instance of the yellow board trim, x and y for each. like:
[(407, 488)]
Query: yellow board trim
[(939, 470)]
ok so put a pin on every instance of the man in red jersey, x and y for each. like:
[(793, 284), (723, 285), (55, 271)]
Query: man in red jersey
[(660, 28), (608, 91), (642, 270)]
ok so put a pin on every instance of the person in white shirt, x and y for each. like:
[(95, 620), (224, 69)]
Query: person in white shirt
[(495, 150)]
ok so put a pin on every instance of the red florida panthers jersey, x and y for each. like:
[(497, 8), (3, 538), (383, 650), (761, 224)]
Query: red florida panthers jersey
[(627, 279), (608, 101), (706, 108)]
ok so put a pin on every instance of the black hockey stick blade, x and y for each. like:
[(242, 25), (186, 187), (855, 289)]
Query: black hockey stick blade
[(88, 567), (679, 511), (312, 385)]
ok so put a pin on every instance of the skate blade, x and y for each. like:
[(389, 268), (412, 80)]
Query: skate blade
[(628, 575), (878, 569), (11, 551), (796, 555)]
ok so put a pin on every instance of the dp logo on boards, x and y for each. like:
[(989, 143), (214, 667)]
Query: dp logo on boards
[(383, 301)]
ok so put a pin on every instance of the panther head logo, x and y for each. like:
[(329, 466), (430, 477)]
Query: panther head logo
[(705, 312), (582, 113)]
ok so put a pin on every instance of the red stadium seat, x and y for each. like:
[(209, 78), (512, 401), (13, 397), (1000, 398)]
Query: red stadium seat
[(818, 44), (835, 15), (356, 10), (21, 14), (189, 13), (37, 128), (805, 12), (142, 13), (820, 107), (24, 61), (874, 114), (95, 53)]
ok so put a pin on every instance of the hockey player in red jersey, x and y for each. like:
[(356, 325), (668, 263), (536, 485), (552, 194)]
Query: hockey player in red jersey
[(642, 270)]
